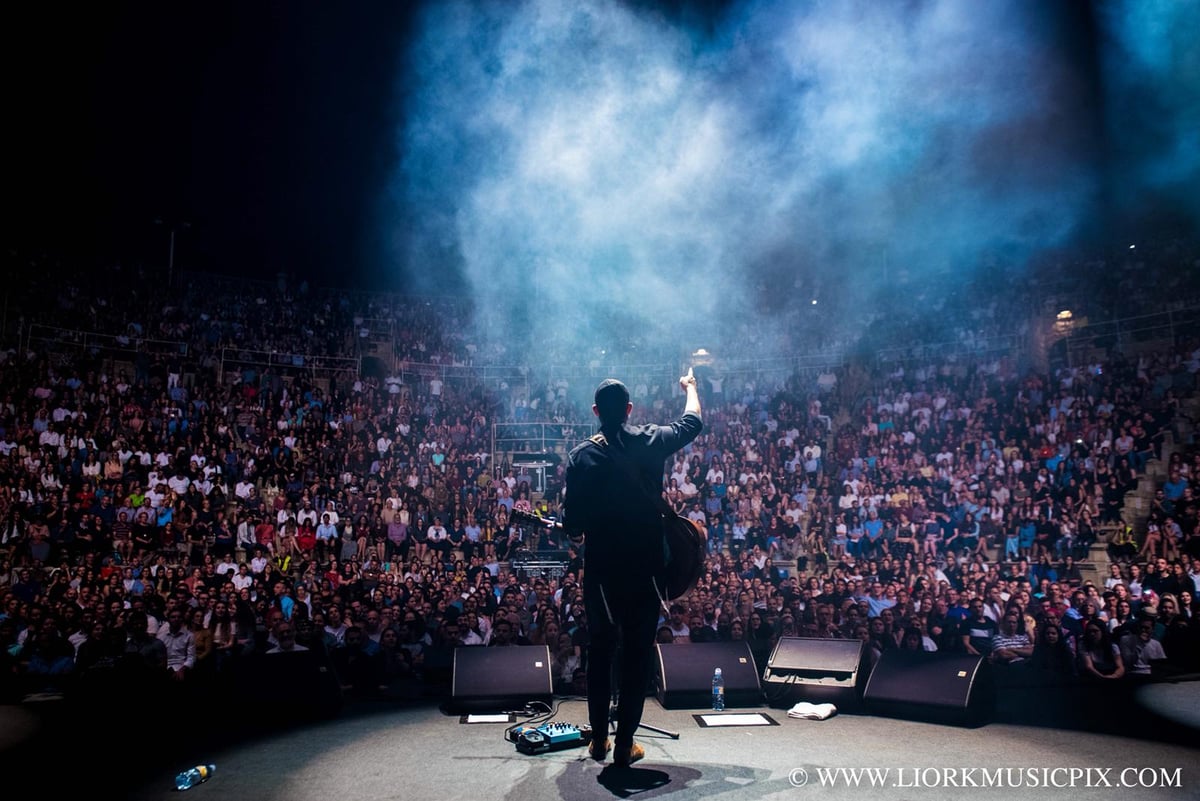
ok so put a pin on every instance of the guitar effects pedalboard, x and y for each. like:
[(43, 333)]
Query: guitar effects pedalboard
[(550, 737)]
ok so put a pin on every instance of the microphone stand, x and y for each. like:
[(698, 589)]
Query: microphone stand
[(612, 708)]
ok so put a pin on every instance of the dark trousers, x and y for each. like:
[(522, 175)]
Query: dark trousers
[(622, 620)]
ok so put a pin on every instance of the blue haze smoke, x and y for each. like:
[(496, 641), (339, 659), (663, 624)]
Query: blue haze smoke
[(584, 157), (1152, 69)]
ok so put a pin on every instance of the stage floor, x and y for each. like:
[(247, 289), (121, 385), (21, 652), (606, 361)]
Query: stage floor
[(416, 751), (422, 753)]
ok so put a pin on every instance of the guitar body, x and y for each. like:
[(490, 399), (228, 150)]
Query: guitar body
[(686, 542)]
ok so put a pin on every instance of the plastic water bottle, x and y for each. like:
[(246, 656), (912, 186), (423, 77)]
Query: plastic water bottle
[(718, 691), (193, 776)]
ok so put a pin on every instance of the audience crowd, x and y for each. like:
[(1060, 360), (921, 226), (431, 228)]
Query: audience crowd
[(165, 518)]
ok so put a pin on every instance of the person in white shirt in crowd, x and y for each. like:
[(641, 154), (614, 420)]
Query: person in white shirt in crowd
[(242, 579), (180, 643), (307, 514), (179, 483), (242, 488), (438, 538)]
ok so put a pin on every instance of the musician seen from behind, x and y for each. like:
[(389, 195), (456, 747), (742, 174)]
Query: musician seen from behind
[(609, 502)]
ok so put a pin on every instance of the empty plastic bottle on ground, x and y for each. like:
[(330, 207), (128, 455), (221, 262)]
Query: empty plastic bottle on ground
[(193, 776), (718, 691)]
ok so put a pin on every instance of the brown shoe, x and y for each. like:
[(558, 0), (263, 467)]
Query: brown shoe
[(624, 757), (599, 749)]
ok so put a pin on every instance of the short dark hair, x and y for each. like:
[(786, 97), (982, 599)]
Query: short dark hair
[(611, 399)]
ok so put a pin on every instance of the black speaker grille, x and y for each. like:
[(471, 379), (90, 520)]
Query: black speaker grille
[(685, 674), (485, 676), (938, 687)]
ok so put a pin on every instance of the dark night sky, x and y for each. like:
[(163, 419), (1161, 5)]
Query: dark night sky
[(268, 127)]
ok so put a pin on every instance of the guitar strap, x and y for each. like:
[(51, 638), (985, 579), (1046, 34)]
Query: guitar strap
[(621, 458)]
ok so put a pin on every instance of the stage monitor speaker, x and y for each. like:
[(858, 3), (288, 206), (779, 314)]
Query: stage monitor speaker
[(817, 671), (951, 688), (486, 678), (685, 672)]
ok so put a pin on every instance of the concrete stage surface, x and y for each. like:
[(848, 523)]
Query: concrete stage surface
[(417, 751)]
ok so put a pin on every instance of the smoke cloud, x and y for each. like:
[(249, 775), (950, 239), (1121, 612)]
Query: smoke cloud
[(602, 176), (1151, 63)]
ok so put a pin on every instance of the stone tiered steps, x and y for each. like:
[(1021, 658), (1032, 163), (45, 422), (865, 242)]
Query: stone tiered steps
[(1138, 502), (379, 347), (121, 366), (1184, 425)]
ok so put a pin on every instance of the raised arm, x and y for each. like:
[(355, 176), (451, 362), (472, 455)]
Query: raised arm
[(688, 382)]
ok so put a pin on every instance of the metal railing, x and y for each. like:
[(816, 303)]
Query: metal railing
[(1001, 345), (53, 337), (287, 362), (510, 438), (414, 373), (1122, 333), (1073, 342)]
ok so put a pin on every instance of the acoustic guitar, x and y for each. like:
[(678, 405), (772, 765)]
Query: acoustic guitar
[(685, 545)]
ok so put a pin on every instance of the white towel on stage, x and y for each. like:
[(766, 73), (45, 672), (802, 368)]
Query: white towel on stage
[(809, 711)]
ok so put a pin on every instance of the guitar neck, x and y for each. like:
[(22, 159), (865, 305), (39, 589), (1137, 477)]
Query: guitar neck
[(537, 520)]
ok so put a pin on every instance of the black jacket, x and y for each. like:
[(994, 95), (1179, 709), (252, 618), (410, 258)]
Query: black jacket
[(620, 519)]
